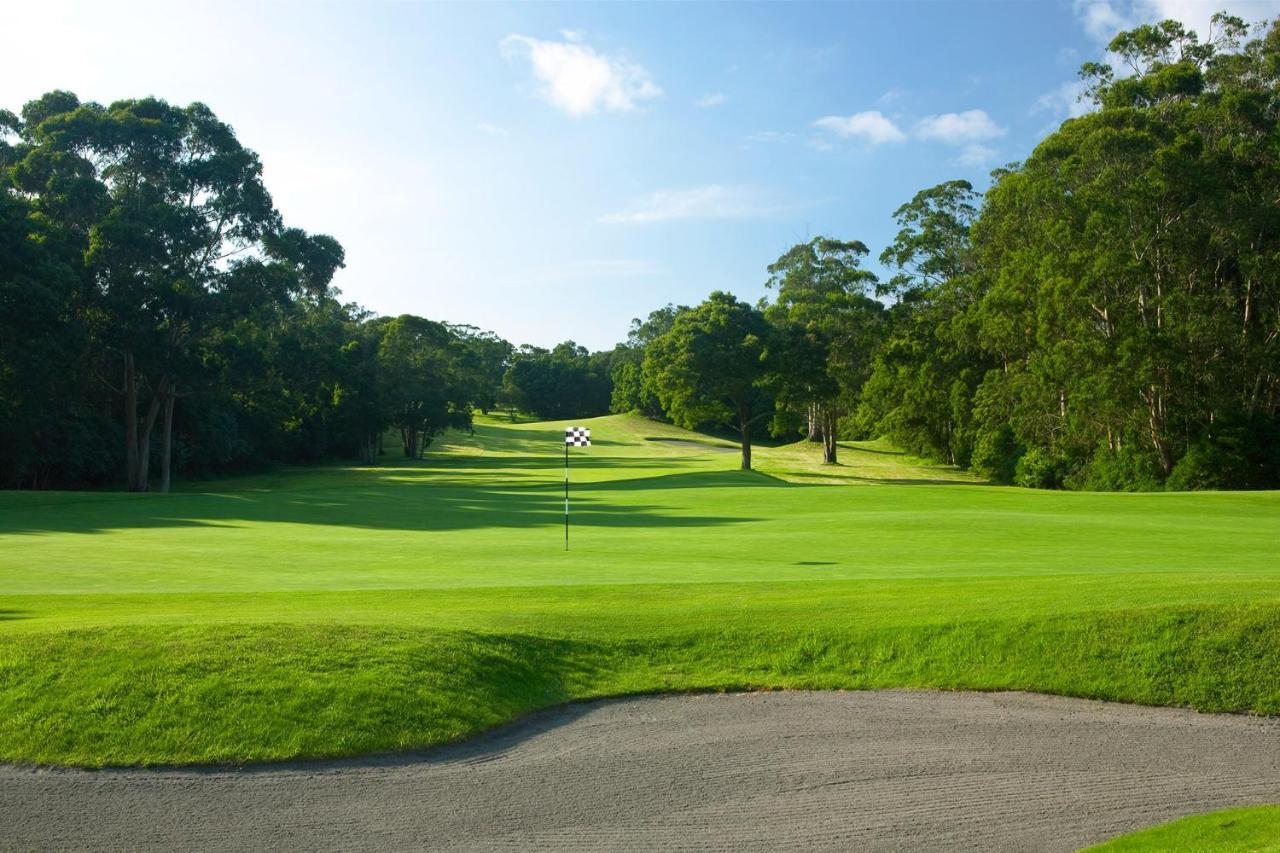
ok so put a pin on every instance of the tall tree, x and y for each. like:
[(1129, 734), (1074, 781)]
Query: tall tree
[(172, 195), (710, 367), (832, 329)]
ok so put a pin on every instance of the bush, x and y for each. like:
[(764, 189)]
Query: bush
[(1040, 469), (996, 453), (1129, 469)]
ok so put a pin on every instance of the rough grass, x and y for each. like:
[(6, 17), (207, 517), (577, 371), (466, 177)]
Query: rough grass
[(1256, 830), (339, 611)]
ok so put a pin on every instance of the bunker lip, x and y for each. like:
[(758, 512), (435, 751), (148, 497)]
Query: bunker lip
[(888, 768)]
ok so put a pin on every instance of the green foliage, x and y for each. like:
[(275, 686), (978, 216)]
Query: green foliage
[(154, 309), (1124, 469), (1037, 469), (565, 382), (710, 368), (826, 328), (996, 454)]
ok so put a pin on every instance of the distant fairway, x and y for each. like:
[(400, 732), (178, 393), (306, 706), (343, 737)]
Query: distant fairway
[(336, 611)]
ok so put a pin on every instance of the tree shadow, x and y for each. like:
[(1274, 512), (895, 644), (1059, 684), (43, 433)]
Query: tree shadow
[(386, 501), (885, 481), (11, 615)]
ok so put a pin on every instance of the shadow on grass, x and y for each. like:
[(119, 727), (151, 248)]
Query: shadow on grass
[(830, 474), (378, 501), (10, 615)]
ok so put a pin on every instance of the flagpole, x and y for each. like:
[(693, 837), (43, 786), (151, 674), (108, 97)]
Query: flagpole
[(566, 495)]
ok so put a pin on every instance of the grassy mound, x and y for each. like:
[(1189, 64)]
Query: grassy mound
[(234, 693), (339, 611)]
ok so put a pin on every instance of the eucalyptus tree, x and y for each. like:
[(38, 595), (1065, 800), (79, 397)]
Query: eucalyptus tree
[(162, 196), (831, 327), (921, 388)]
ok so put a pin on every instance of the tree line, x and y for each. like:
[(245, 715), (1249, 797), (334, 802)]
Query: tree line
[(1105, 316), (157, 315)]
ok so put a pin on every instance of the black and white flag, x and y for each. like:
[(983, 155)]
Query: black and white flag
[(577, 437)]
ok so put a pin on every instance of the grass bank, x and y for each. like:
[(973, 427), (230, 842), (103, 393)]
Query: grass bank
[(340, 611)]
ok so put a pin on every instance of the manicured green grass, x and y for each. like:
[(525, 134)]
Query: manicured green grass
[(1256, 830), (337, 611)]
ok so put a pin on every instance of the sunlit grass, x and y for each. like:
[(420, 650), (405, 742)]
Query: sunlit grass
[(339, 610), (1248, 830)]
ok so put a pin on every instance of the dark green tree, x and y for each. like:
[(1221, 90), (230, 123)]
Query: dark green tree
[(710, 367)]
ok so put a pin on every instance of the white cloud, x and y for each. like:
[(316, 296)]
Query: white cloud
[(576, 79), (1064, 101), (714, 99), (713, 201), (1102, 19), (976, 155), (872, 126), (573, 35), (770, 136), (492, 129), (959, 128)]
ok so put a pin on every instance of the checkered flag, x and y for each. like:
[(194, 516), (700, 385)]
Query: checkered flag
[(577, 437)]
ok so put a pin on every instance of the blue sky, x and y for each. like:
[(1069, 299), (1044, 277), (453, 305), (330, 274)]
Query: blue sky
[(550, 171)]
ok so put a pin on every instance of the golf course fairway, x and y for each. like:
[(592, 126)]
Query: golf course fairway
[(335, 611)]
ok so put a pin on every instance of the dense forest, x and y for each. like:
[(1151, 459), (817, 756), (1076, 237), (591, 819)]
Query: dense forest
[(1105, 316)]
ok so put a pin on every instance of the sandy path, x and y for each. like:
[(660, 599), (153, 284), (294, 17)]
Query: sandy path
[(876, 770)]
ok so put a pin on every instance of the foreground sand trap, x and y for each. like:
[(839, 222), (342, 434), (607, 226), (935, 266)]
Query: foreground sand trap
[(870, 770)]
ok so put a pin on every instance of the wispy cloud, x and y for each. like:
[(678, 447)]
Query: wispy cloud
[(959, 128), (1064, 101), (492, 129), (871, 126), (714, 99), (1102, 19), (770, 136), (976, 155), (713, 201), (576, 79)]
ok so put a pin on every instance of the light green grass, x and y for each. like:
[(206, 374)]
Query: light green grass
[(336, 611), (1255, 830)]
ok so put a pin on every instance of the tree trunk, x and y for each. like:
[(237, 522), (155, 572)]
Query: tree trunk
[(166, 451), (828, 436), (746, 443), (814, 424), (144, 439), (130, 424)]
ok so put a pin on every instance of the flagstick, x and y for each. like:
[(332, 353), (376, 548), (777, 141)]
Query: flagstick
[(566, 496)]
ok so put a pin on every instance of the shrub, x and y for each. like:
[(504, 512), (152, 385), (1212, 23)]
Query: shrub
[(1040, 469), (996, 453), (1129, 469)]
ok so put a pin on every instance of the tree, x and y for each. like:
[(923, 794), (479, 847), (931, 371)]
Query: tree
[(564, 382), (633, 390), (164, 195), (710, 367), (831, 328), (920, 390), (424, 389)]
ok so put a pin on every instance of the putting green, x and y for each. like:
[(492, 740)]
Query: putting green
[(334, 611)]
